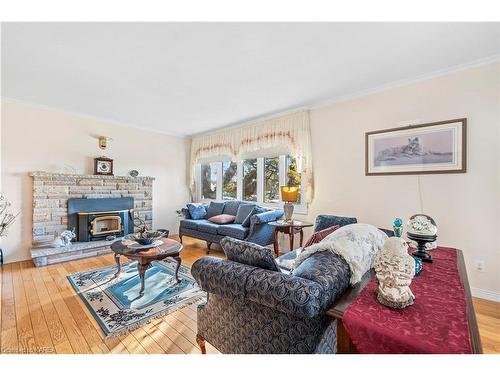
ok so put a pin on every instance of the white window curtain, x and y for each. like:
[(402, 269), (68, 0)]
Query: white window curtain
[(289, 134)]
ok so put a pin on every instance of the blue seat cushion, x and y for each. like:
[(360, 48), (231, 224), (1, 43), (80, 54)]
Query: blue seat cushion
[(207, 226), (231, 207), (233, 230), (189, 223)]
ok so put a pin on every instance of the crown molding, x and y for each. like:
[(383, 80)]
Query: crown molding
[(28, 103)]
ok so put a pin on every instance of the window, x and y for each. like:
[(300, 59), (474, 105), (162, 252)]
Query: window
[(250, 180), (229, 180), (271, 180), (209, 181), (254, 180)]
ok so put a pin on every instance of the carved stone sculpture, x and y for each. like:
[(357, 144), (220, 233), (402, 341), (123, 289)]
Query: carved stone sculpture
[(65, 238), (394, 269)]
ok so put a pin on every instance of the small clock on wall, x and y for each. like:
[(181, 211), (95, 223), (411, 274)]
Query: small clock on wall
[(103, 166)]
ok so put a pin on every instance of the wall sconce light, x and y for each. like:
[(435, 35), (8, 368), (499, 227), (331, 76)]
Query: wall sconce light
[(103, 142)]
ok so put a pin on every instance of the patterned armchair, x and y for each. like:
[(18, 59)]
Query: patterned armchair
[(257, 310)]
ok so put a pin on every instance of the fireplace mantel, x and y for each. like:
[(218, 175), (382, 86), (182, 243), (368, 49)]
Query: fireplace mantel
[(42, 174)]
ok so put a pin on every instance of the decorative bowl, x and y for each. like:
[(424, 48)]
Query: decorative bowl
[(147, 237)]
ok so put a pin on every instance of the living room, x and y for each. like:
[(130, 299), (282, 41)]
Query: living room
[(273, 169)]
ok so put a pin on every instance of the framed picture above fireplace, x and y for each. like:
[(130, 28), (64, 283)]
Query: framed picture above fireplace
[(103, 166), (437, 147)]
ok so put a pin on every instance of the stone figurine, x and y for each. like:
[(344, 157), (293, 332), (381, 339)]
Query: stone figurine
[(65, 238), (394, 269)]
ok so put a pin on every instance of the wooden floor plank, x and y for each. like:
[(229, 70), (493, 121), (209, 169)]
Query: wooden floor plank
[(39, 308), (9, 343), (54, 325), (41, 332), (94, 340), (75, 336), (25, 335)]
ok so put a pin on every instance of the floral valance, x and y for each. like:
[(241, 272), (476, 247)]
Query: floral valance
[(289, 134)]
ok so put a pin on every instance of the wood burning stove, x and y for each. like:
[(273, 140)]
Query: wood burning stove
[(96, 219)]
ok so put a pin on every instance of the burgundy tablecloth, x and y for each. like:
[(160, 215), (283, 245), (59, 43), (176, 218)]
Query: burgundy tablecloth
[(435, 323)]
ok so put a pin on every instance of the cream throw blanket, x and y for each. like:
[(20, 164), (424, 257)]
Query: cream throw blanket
[(356, 243)]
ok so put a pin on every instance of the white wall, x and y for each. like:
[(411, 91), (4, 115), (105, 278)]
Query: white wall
[(465, 206), (40, 139)]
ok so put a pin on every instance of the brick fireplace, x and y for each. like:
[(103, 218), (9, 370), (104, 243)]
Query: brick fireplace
[(51, 194)]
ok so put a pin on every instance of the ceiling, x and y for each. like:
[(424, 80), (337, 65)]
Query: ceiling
[(187, 78)]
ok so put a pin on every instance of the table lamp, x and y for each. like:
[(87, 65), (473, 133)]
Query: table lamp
[(289, 194)]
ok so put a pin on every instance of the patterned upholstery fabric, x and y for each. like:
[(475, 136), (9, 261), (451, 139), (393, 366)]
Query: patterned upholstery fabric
[(195, 233), (196, 211), (330, 271), (325, 221), (231, 207), (318, 236), (215, 208), (266, 217), (206, 226), (221, 277), (243, 327), (254, 310), (248, 253), (244, 210), (189, 223), (233, 230), (285, 293)]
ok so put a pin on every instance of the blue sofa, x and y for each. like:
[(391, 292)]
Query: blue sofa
[(259, 231), (257, 310)]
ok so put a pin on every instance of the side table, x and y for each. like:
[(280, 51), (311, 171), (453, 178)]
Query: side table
[(288, 227), (344, 343)]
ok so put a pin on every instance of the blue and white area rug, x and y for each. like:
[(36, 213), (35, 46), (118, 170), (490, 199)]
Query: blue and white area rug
[(115, 302)]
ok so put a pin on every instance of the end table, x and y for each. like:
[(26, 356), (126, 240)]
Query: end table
[(288, 227)]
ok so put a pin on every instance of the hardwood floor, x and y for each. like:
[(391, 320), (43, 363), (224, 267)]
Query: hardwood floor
[(41, 313)]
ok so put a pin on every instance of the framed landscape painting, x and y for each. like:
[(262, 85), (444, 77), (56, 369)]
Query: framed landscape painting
[(437, 147)]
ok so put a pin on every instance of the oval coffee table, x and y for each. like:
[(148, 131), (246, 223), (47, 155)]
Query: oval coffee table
[(169, 248)]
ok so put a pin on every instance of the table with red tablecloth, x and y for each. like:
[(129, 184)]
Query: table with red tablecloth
[(437, 322)]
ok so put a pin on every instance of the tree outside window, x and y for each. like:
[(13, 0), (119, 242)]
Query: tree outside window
[(229, 180), (250, 180), (209, 181), (271, 180)]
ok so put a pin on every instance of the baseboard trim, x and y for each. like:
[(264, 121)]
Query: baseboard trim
[(486, 294)]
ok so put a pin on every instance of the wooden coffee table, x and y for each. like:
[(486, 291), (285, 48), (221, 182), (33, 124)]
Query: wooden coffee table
[(288, 227), (169, 248)]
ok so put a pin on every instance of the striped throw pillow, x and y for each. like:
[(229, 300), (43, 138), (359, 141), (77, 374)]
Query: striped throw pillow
[(318, 236)]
